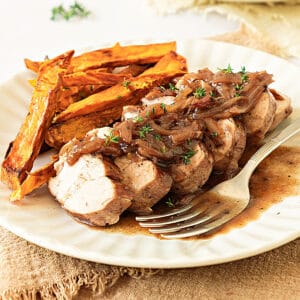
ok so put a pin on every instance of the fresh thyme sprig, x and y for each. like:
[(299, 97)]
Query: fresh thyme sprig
[(186, 157), (74, 10), (111, 138), (244, 76), (126, 83), (172, 87), (199, 92), (229, 69), (138, 119), (144, 130), (170, 202), (163, 106)]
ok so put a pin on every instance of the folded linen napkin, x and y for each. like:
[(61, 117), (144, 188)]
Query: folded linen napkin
[(274, 22)]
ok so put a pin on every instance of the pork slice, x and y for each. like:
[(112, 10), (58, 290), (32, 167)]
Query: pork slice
[(168, 100), (189, 176), (222, 134), (88, 192), (259, 119), (228, 140), (239, 145), (148, 183), (283, 108)]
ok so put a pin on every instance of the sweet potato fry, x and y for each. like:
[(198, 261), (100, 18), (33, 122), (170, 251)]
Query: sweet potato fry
[(60, 133), (30, 138), (33, 181), (92, 77), (122, 55), (133, 69), (105, 107), (32, 65), (169, 66), (115, 56)]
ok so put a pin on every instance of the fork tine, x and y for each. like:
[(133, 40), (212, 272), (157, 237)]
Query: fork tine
[(173, 220), (209, 214), (216, 222), (167, 214), (177, 227), (175, 211)]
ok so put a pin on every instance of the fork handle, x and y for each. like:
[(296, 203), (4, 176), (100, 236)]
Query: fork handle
[(269, 147)]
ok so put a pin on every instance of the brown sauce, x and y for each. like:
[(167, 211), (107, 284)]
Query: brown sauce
[(274, 179)]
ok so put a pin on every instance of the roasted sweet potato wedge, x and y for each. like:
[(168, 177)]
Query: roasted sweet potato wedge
[(169, 66), (91, 77), (132, 69), (105, 107), (27, 145), (32, 65), (115, 56), (33, 181), (122, 55)]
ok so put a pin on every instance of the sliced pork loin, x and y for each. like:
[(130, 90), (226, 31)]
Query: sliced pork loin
[(227, 141), (90, 190), (259, 119), (191, 175), (283, 108), (148, 183)]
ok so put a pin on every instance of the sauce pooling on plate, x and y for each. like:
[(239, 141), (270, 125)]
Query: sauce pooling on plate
[(274, 179)]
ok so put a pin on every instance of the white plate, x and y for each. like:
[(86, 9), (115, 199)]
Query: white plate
[(41, 221)]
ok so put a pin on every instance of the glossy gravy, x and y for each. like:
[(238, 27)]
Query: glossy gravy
[(275, 178)]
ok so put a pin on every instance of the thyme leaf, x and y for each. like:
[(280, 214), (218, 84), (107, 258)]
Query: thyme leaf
[(126, 83), (199, 92), (170, 202), (163, 106), (172, 87), (74, 10), (144, 130), (187, 155), (228, 70), (111, 138)]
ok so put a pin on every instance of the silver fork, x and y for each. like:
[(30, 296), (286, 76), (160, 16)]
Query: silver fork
[(220, 204)]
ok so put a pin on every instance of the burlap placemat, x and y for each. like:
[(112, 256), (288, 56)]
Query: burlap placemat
[(31, 272)]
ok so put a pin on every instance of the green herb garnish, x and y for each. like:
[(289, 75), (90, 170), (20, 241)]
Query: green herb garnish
[(74, 10), (111, 138), (238, 87), (157, 137), (186, 156), (144, 130), (170, 202), (163, 106), (138, 119), (213, 94), (172, 87), (214, 134), (199, 92), (163, 149), (244, 76), (227, 70), (126, 83)]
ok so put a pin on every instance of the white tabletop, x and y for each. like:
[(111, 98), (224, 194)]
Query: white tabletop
[(26, 30)]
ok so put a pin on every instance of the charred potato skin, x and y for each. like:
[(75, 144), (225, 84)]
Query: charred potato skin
[(27, 144)]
